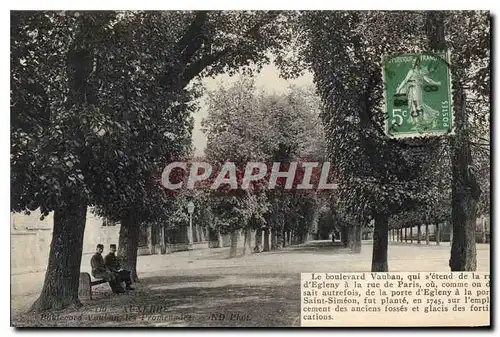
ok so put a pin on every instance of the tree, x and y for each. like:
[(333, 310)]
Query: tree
[(377, 176), (244, 126), (54, 96), (234, 135), (196, 56), (471, 83), (350, 226), (74, 129), (247, 126)]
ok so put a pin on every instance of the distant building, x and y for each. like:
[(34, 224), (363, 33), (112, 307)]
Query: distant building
[(31, 238)]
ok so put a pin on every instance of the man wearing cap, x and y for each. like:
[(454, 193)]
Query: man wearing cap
[(100, 271), (113, 264)]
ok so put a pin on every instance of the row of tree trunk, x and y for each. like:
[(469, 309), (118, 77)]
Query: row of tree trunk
[(265, 240), (406, 234)]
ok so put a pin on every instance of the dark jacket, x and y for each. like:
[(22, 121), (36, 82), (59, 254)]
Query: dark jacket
[(97, 264), (112, 262)]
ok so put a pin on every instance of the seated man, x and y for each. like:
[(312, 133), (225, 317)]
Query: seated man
[(113, 264), (100, 271)]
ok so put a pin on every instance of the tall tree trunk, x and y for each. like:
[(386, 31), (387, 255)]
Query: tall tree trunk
[(345, 235), (411, 234), (128, 245), (406, 234), (465, 191), (483, 227), (465, 195), (280, 239), (196, 234), (419, 233), (380, 243), (266, 239), (60, 288), (219, 240), (358, 241), (233, 250), (149, 238), (438, 234), (304, 238), (247, 244), (214, 238), (258, 241), (451, 235), (354, 239), (351, 234), (202, 234), (426, 234), (163, 246), (249, 230)]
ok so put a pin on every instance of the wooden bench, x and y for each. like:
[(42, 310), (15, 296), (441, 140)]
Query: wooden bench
[(85, 285)]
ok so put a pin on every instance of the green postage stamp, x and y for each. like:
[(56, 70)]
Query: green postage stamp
[(417, 95)]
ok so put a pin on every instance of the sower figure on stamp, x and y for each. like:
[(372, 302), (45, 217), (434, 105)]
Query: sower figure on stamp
[(113, 264), (100, 271), (416, 80)]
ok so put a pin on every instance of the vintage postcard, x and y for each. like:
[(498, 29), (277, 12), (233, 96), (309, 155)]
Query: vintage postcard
[(250, 168)]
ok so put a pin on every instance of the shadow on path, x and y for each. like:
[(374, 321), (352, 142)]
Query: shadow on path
[(314, 247)]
